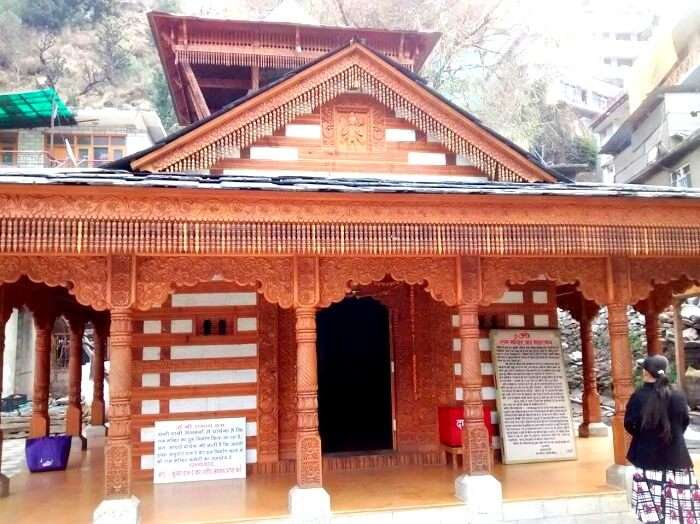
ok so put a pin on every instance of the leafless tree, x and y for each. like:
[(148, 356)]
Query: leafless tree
[(53, 65)]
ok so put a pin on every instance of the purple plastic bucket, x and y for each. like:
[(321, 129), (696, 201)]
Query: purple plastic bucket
[(47, 453)]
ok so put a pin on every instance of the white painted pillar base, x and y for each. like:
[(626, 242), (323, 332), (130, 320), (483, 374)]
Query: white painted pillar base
[(4, 485), (482, 494), (309, 505), (620, 477), (593, 429), (117, 511), (95, 436)]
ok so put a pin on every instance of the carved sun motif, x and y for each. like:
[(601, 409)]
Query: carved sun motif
[(353, 131)]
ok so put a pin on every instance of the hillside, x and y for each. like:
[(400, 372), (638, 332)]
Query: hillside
[(100, 55)]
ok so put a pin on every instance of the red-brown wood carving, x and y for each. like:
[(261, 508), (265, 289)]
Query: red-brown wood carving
[(589, 274), (339, 274), (646, 274), (268, 372), (287, 384), (85, 277), (158, 277)]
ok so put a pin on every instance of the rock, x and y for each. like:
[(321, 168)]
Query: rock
[(690, 311), (690, 334)]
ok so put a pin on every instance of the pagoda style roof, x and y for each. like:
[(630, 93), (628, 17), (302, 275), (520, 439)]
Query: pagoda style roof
[(354, 68), (207, 62)]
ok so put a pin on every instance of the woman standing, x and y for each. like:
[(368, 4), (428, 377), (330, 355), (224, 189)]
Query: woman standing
[(664, 488)]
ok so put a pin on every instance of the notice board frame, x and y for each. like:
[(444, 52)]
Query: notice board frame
[(493, 335)]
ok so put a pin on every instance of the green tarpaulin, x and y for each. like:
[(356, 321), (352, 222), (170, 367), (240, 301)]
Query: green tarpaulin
[(33, 109)]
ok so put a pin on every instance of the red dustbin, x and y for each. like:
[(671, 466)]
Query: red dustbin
[(451, 421)]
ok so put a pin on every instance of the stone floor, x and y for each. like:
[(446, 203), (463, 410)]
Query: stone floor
[(532, 492)]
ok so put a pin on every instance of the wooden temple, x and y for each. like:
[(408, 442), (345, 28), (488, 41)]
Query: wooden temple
[(340, 203)]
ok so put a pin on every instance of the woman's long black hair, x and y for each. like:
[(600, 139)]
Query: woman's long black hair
[(655, 411)]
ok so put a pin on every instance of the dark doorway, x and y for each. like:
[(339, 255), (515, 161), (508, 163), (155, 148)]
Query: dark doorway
[(354, 377)]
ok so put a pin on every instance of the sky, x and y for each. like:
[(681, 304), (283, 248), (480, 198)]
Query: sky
[(562, 29)]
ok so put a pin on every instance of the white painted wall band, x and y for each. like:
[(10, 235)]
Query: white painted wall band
[(213, 351), (243, 298), (202, 404), (219, 376)]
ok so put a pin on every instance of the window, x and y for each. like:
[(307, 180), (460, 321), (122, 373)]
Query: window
[(101, 154), (681, 177), (90, 150), (8, 149)]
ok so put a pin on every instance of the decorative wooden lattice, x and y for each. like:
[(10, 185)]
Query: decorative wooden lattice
[(27, 235), (229, 139)]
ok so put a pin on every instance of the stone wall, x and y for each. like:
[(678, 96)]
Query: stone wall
[(571, 343)]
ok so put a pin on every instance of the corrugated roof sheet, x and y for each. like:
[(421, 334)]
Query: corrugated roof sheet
[(27, 109), (447, 185)]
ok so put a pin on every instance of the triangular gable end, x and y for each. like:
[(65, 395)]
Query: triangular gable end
[(351, 69)]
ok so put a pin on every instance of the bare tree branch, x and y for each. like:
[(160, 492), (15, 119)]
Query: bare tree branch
[(341, 9)]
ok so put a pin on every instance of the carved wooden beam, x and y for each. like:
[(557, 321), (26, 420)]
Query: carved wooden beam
[(224, 83), (199, 104)]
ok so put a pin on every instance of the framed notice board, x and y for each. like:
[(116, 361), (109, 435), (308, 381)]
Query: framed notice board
[(203, 449), (534, 408)]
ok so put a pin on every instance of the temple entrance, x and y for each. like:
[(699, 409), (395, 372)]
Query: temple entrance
[(354, 377)]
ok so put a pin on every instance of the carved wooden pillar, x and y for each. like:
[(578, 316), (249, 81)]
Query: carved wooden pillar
[(5, 311), (619, 296), (591, 398), (477, 457), (74, 414), (651, 326), (621, 357), (40, 423), (309, 462), (97, 409), (118, 449)]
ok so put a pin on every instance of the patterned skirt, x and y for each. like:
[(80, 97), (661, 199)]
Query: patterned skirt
[(669, 497)]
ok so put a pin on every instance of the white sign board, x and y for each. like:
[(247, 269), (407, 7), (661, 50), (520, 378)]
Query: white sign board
[(190, 450), (533, 396)]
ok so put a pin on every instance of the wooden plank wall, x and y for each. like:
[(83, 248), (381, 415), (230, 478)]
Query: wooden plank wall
[(196, 357)]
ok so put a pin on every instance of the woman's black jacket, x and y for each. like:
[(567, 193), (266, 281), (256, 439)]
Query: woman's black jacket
[(648, 449)]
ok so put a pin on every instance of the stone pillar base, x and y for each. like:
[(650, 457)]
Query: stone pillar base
[(117, 511), (593, 429), (620, 477), (4, 484), (309, 505), (481, 493)]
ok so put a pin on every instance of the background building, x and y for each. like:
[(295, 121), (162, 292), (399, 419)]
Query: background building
[(97, 136), (650, 134)]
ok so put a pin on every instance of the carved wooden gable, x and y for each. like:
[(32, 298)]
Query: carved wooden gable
[(347, 89), (353, 133)]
